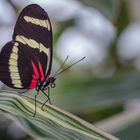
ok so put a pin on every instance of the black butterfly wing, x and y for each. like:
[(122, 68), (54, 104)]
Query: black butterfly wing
[(15, 65), (29, 56), (33, 28)]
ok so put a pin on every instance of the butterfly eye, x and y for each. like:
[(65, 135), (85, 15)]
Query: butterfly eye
[(52, 85), (44, 83)]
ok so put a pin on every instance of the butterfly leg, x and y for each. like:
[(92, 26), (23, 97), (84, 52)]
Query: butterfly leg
[(48, 97), (35, 103)]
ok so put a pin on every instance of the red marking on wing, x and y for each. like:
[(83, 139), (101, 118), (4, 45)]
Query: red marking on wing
[(41, 71), (35, 77)]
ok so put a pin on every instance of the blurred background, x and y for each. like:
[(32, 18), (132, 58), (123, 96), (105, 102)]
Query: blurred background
[(104, 88)]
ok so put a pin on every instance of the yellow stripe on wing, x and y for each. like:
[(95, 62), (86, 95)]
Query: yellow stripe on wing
[(32, 43), (13, 67), (36, 21)]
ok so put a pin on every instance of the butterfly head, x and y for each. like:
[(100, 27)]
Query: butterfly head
[(52, 81), (43, 85), (49, 82)]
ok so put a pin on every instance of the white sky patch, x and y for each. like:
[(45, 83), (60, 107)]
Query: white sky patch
[(90, 37), (129, 42), (6, 35), (76, 45), (5, 9), (61, 10), (20, 2), (94, 24), (40, 2)]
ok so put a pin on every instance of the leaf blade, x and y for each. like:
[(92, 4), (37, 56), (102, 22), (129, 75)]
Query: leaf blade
[(52, 123)]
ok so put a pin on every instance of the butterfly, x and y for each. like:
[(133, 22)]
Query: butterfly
[(26, 61)]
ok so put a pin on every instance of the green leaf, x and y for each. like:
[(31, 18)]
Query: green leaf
[(52, 124)]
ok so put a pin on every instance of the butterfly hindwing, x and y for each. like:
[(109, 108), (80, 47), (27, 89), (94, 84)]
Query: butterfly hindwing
[(16, 65)]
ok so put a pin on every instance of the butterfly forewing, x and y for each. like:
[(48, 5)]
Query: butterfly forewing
[(28, 57), (33, 28)]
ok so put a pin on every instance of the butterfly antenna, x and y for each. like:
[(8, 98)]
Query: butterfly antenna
[(61, 66), (70, 66)]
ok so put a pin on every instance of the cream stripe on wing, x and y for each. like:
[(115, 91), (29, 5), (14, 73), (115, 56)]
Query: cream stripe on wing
[(13, 62), (13, 67), (36, 21), (33, 44)]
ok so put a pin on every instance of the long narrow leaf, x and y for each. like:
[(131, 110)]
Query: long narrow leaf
[(52, 124)]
